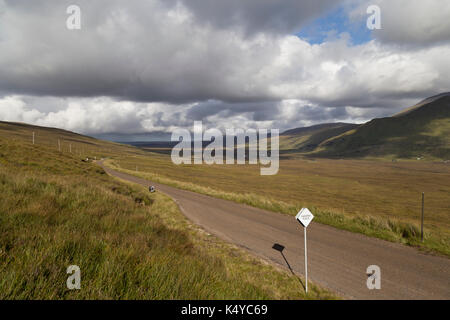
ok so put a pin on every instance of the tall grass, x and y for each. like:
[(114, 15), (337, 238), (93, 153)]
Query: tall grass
[(390, 229), (57, 211)]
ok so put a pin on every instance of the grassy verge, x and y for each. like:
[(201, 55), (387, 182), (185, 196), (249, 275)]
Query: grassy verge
[(239, 265), (390, 229), (57, 211)]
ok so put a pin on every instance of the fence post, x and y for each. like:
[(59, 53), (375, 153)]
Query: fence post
[(421, 227)]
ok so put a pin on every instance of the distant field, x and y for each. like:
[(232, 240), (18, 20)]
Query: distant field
[(378, 198), (56, 211)]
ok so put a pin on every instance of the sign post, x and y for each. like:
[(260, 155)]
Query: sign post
[(421, 224), (305, 217), (306, 262)]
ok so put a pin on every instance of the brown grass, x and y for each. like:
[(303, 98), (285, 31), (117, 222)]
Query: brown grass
[(375, 195), (58, 211)]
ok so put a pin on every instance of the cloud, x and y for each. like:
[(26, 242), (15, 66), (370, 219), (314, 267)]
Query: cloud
[(142, 52), (151, 66), (12, 108), (256, 16), (124, 120), (415, 23), (368, 75)]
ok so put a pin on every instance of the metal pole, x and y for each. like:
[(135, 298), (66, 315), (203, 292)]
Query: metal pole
[(306, 264), (33, 137), (421, 227)]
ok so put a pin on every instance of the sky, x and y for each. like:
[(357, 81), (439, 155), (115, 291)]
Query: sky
[(137, 70)]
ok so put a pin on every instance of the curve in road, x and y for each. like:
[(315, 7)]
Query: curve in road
[(337, 259)]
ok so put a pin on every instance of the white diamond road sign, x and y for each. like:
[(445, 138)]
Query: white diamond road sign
[(304, 217)]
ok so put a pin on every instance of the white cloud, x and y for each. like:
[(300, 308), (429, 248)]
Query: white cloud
[(13, 108), (152, 65)]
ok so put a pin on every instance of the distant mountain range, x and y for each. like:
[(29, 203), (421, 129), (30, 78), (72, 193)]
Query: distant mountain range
[(422, 130)]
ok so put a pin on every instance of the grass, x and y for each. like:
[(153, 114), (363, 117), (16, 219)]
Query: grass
[(423, 132), (308, 139), (58, 211), (64, 141), (376, 198)]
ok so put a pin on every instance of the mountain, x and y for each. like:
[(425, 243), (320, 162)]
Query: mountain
[(309, 138), (422, 130), (422, 103)]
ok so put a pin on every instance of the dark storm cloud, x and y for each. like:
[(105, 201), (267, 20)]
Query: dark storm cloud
[(140, 51), (253, 16), (162, 51), (149, 66)]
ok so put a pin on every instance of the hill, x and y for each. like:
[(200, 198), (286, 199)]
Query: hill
[(57, 211), (62, 140), (421, 131), (309, 138), (422, 103)]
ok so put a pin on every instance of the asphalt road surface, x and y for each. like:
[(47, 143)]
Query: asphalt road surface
[(337, 259)]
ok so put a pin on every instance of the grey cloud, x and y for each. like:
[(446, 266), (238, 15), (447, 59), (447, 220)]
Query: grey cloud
[(157, 51), (141, 51), (150, 66), (106, 118), (260, 110), (414, 23), (254, 16)]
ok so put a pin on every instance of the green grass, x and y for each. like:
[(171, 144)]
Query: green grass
[(376, 198), (58, 211), (54, 139), (306, 140), (423, 132)]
